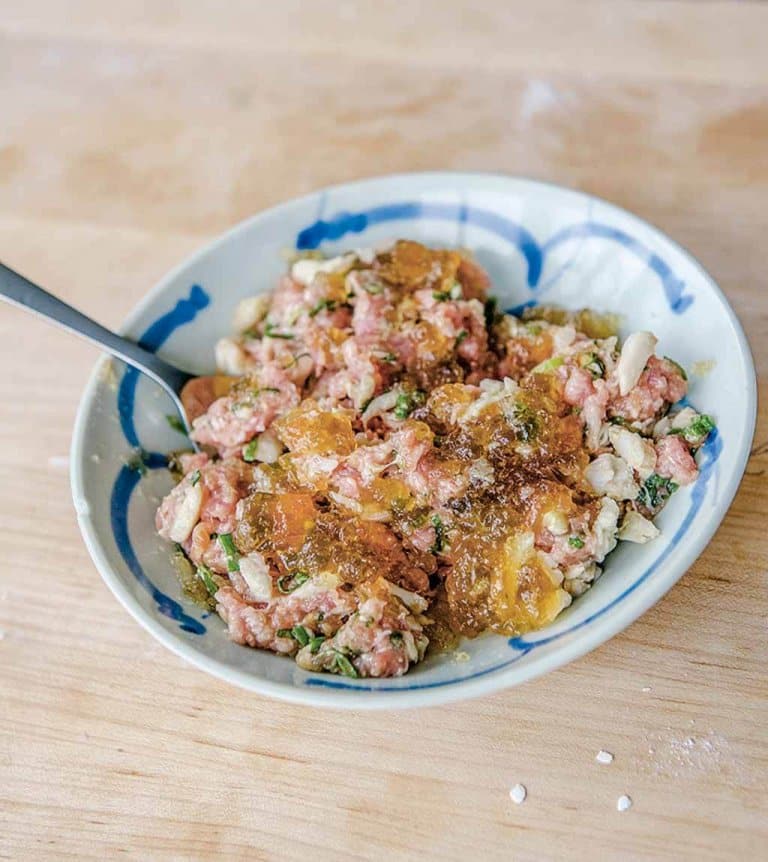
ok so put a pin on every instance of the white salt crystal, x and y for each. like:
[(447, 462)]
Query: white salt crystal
[(604, 757), (623, 803), (518, 793)]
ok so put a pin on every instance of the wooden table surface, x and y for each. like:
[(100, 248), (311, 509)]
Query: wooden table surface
[(131, 133)]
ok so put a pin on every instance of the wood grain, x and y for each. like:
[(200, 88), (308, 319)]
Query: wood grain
[(132, 133)]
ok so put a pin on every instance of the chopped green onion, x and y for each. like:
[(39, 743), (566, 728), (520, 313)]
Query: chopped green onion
[(288, 583), (295, 359), (324, 304), (460, 337), (534, 328), (389, 357), (592, 363), (439, 542), (343, 665), (680, 370), (315, 643), (269, 332), (548, 365), (700, 427), (298, 633), (576, 542), (396, 638), (206, 576), (374, 289), (195, 478), (175, 422), (403, 406), (406, 403), (441, 295), (250, 450), (656, 490), (228, 546)]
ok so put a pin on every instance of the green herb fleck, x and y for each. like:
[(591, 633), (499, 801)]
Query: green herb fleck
[(300, 635), (206, 576), (295, 359), (439, 542), (680, 370), (396, 638), (548, 365), (175, 422), (250, 450), (341, 664), (407, 403), (700, 427), (592, 363), (441, 295), (228, 546), (576, 542), (656, 490), (324, 304), (374, 289), (288, 583), (195, 478), (460, 337), (389, 357), (269, 332), (284, 633), (315, 643)]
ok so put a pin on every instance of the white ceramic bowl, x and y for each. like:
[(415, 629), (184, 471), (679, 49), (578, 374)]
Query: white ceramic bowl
[(539, 243)]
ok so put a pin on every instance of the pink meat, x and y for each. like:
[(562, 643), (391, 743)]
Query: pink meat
[(659, 385), (455, 317), (378, 637), (423, 539), (369, 319), (257, 624), (674, 459), (233, 420), (223, 483), (578, 386)]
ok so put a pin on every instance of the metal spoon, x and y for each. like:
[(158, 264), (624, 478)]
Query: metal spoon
[(190, 394)]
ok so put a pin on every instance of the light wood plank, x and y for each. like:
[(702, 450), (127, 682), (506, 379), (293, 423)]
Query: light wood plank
[(130, 134)]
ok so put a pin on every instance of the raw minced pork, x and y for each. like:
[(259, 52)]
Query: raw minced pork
[(385, 456)]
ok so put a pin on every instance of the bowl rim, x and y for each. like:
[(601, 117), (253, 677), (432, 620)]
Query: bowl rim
[(598, 632)]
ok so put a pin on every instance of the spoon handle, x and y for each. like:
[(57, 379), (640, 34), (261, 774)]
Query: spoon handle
[(20, 291)]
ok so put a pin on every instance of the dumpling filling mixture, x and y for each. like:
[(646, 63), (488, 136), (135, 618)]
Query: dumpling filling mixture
[(391, 462)]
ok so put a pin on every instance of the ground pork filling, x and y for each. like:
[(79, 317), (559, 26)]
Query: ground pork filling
[(389, 463)]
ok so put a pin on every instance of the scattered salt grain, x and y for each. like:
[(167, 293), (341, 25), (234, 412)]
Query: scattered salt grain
[(518, 793), (604, 757), (646, 688), (623, 803)]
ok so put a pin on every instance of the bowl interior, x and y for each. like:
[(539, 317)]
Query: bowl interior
[(540, 244)]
